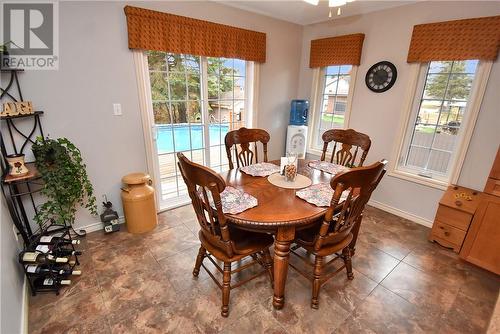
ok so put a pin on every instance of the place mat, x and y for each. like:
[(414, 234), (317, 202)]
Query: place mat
[(319, 194), (233, 200), (328, 167), (260, 169), (300, 181)]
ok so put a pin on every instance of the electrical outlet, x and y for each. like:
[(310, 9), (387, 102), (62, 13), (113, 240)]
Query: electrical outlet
[(117, 109)]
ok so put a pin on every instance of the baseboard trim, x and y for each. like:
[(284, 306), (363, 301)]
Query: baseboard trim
[(401, 213), (97, 226), (25, 307)]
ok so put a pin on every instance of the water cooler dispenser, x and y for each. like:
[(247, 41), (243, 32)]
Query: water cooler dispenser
[(296, 137)]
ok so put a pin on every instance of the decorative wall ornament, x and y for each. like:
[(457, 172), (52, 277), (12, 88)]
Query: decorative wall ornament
[(9, 109), (17, 166), (17, 108), (24, 107)]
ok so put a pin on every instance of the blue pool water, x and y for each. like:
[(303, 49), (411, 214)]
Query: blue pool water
[(180, 133)]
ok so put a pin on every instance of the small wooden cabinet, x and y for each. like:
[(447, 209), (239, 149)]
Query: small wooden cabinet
[(454, 215), (482, 244), (493, 183), (469, 222)]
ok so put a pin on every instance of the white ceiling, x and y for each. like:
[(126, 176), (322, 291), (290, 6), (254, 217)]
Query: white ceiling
[(300, 12)]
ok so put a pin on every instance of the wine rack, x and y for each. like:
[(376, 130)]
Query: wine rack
[(16, 137), (52, 269), (19, 192)]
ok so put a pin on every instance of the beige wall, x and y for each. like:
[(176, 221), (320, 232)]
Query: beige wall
[(97, 70), (11, 276), (387, 37)]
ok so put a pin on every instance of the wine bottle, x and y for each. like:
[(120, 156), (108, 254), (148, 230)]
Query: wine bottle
[(49, 239), (42, 269), (66, 252), (37, 257), (44, 282), (57, 250)]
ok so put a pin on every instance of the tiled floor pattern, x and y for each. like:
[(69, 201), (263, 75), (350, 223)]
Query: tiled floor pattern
[(143, 284)]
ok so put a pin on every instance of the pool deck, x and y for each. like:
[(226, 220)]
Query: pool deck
[(168, 167)]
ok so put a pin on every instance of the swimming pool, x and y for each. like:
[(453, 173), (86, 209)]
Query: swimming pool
[(180, 133)]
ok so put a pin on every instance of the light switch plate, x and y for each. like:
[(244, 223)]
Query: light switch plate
[(117, 109)]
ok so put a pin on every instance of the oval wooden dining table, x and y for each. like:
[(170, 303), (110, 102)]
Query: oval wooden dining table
[(279, 212)]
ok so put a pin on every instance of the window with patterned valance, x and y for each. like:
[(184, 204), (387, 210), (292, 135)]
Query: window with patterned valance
[(152, 30), (334, 61), (450, 66), (339, 50), (477, 38)]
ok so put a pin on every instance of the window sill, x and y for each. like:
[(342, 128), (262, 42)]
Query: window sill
[(313, 151), (433, 183)]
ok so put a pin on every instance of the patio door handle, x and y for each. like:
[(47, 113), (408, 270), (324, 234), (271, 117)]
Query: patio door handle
[(154, 132)]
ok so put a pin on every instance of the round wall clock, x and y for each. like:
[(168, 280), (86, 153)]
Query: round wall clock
[(381, 76)]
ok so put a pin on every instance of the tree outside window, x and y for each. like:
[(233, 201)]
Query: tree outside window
[(175, 84)]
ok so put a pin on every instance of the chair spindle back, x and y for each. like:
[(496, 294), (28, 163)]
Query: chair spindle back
[(344, 140), (359, 183), (243, 137), (204, 188)]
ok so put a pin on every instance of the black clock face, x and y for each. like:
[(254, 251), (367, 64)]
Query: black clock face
[(381, 76)]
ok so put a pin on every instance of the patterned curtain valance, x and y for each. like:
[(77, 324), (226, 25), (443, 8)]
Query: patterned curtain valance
[(152, 30), (477, 38), (340, 50)]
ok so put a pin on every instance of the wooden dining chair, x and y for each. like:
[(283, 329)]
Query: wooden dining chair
[(244, 137), (218, 239), (334, 234), (346, 139)]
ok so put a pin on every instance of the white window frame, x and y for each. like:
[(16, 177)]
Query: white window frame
[(147, 118), (416, 84), (316, 103)]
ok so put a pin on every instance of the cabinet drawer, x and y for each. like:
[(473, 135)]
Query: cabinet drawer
[(449, 233), (453, 217), (492, 187)]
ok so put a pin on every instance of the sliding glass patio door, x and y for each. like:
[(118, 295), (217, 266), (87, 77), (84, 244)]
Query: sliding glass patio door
[(194, 102)]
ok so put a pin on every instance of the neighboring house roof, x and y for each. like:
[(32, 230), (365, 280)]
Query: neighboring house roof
[(226, 100), (331, 86)]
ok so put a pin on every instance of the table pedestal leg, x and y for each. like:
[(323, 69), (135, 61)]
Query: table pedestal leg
[(284, 238)]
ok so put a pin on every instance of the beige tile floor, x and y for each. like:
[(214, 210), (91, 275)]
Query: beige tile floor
[(143, 284)]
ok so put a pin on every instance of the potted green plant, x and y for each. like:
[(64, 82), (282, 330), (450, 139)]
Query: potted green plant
[(66, 184), (4, 55)]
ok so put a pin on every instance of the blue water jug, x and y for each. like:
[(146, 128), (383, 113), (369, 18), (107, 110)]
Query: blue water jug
[(298, 112)]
